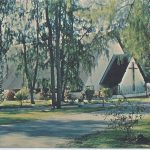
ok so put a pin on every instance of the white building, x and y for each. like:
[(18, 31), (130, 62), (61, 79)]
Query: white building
[(125, 77), (102, 62)]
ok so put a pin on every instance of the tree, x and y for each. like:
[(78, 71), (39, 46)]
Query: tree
[(130, 26), (28, 35), (70, 52), (63, 44), (57, 46), (136, 35), (51, 52), (6, 8)]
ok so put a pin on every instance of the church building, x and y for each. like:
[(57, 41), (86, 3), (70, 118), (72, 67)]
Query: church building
[(125, 77), (119, 71)]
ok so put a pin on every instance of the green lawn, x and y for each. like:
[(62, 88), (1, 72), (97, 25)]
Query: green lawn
[(21, 114), (49, 102), (25, 103), (104, 139), (134, 100), (112, 138)]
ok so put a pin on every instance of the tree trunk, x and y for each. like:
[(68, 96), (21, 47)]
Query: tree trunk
[(1, 57), (1, 73), (27, 72), (58, 59), (32, 81), (64, 77), (37, 55), (62, 55), (32, 95), (51, 53)]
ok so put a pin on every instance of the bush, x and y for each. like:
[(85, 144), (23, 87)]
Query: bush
[(89, 94), (2, 97), (22, 94), (106, 92), (9, 94), (125, 116), (39, 96)]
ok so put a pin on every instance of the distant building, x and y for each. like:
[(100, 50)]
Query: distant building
[(13, 75), (125, 77), (102, 61)]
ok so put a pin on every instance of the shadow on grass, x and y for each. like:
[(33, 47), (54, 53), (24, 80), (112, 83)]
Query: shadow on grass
[(6, 120), (54, 128), (80, 109), (104, 139), (28, 109)]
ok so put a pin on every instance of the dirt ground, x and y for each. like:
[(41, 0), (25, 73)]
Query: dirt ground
[(52, 132)]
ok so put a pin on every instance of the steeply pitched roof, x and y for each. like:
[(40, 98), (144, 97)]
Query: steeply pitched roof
[(115, 70), (101, 61)]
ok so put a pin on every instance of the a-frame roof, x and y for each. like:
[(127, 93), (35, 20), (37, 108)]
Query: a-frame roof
[(116, 69)]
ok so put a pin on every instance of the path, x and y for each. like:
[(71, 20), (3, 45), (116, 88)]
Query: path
[(52, 132)]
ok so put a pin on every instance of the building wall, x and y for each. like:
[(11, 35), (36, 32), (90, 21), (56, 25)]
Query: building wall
[(102, 61), (126, 85)]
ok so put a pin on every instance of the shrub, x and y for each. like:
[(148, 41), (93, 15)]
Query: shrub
[(125, 116), (9, 95), (106, 92), (39, 96), (89, 94), (2, 97), (22, 95)]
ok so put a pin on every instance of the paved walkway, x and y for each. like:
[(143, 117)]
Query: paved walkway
[(52, 132)]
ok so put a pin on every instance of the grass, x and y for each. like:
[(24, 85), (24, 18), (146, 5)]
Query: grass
[(112, 138), (25, 103), (10, 118), (103, 139), (18, 114), (80, 110), (139, 99), (133, 100), (9, 103)]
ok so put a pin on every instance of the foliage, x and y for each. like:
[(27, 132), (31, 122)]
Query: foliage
[(137, 28), (129, 25), (106, 92), (89, 94), (6, 34), (125, 116), (22, 95), (9, 95), (109, 139), (27, 28), (136, 35), (39, 96), (2, 97), (74, 34)]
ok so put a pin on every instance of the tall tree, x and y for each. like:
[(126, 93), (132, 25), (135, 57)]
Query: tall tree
[(51, 51), (57, 46), (131, 27), (28, 35), (136, 35), (70, 52), (6, 8)]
